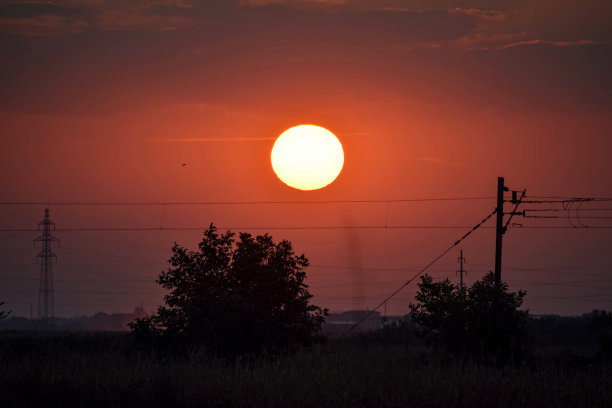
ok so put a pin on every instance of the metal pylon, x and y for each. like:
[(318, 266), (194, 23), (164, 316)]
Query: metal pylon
[(46, 307)]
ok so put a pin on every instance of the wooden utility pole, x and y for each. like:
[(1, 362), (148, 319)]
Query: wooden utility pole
[(499, 230)]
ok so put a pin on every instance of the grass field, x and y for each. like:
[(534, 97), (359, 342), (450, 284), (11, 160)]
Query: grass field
[(104, 370)]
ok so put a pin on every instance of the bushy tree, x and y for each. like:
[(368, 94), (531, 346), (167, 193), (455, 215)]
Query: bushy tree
[(481, 321), (235, 296), (3, 314)]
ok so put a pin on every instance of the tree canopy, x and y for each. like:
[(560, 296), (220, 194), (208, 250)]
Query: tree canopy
[(3, 314), (235, 296), (481, 321)]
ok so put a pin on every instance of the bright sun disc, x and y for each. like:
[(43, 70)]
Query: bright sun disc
[(307, 157)]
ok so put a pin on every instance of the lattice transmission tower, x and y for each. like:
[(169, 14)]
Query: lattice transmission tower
[(46, 308), (461, 271)]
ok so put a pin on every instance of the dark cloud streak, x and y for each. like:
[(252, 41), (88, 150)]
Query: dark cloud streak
[(30, 9), (231, 55)]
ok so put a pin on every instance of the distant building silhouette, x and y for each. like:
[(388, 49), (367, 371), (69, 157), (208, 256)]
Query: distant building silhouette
[(351, 317), (98, 322)]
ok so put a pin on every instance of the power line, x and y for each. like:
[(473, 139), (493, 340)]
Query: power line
[(565, 217), (322, 227), (565, 201), (181, 203), (564, 209), (82, 304), (556, 269), (568, 197), (367, 315), (597, 297), (559, 227), (202, 228), (553, 199), (99, 292), (96, 281)]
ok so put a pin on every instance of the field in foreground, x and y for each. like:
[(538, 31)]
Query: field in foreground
[(102, 369)]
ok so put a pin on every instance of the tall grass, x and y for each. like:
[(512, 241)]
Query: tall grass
[(104, 370)]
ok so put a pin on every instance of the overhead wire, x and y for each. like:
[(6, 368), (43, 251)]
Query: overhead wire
[(560, 216), (552, 199), (367, 315), (80, 304), (566, 198), (182, 203), (202, 228), (333, 227), (563, 209), (562, 200)]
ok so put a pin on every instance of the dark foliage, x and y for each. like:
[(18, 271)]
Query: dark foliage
[(590, 331), (3, 314), (16, 345), (234, 297), (400, 332), (560, 332), (481, 322), (600, 327), (62, 369)]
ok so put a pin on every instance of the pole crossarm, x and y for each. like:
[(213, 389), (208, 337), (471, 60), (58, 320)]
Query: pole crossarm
[(513, 212)]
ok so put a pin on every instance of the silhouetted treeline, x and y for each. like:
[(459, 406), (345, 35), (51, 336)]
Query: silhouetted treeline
[(590, 331), (98, 322)]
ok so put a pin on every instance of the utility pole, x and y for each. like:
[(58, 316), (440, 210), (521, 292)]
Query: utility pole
[(499, 229), (461, 271), (46, 307)]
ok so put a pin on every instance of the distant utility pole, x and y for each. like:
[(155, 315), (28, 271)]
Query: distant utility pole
[(461, 271), (46, 308)]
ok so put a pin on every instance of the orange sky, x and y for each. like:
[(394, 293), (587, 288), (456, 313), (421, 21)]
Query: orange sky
[(103, 101)]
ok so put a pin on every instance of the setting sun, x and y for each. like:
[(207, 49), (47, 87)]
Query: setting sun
[(307, 157)]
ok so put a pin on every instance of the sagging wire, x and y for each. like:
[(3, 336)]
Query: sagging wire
[(573, 208), (420, 272)]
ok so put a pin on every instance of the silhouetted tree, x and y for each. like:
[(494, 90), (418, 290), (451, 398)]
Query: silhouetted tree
[(600, 327), (482, 321), (3, 314), (235, 296)]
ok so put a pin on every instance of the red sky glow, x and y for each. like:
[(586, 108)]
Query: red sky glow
[(104, 101)]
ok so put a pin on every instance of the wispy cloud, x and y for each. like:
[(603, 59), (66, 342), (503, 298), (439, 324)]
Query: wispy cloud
[(484, 40), (428, 159), (258, 3), (77, 143), (49, 25), (480, 13), (209, 139), (46, 19), (440, 161), (576, 43)]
